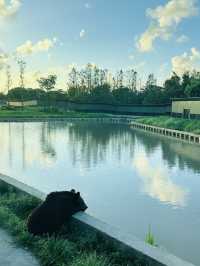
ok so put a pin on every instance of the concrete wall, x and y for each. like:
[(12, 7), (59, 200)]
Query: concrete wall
[(121, 109), (22, 103), (2, 103)]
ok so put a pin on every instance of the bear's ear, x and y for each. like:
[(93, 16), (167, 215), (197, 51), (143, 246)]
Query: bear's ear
[(73, 191), (51, 195), (76, 195)]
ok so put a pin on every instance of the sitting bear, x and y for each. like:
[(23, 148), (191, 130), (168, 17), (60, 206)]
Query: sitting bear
[(57, 208)]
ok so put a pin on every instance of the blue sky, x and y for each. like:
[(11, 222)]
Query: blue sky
[(151, 36)]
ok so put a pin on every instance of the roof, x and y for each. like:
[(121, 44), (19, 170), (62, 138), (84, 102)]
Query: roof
[(186, 99)]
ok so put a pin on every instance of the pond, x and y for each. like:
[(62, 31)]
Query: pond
[(130, 179)]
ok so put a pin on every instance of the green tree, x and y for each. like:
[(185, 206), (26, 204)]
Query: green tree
[(193, 89), (101, 94), (173, 87), (48, 83), (154, 95)]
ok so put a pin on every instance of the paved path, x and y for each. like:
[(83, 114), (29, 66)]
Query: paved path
[(11, 255)]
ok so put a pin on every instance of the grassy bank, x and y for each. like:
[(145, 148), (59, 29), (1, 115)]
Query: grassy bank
[(181, 124), (72, 247), (39, 112)]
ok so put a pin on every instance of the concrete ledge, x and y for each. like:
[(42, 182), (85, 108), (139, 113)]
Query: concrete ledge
[(172, 133), (153, 255)]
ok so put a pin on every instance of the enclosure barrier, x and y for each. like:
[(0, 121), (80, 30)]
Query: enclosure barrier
[(181, 135), (153, 256)]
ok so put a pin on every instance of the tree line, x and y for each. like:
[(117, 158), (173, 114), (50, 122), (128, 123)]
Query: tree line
[(95, 85)]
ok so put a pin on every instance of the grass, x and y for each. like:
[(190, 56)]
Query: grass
[(150, 238), (72, 247), (39, 112), (181, 124)]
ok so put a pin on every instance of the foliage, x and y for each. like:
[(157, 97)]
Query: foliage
[(193, 88), (48, 83), (154, 95), (91, 260), (38, 112), (2, 96), (96, 85), (20, 93)]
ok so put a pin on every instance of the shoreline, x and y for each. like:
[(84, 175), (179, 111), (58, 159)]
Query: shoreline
[(134, 121)]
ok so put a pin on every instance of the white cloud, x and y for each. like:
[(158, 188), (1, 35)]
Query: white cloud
[(82, 33), (186, 62), (157, 183), (87, 5), (3, 59), (131, 57), (182, 39), (164, 20), (9, 9), (29, 48)]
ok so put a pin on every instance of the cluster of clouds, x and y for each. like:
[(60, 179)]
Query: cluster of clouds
[(26, 49), (29, 48), (8, 9), (164, 20), (186, 62)]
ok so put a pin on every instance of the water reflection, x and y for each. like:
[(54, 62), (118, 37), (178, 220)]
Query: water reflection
[(95, 143), (88, 143), (157, 182), (174, 152)]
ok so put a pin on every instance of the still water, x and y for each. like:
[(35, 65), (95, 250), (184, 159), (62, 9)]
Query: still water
[(130, 179)]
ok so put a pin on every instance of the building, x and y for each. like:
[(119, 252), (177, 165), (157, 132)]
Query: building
[(186, 107), (22, 103), (2, 103)]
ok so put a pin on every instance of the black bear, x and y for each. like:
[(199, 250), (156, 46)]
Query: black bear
[(57, 208)]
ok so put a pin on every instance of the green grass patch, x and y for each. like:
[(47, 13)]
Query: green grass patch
[(40, 112), (150, 239), (72, 247), (181, 124)]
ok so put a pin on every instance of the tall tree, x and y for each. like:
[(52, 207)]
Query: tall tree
[(151, 81), (96, 76), (120, 79), (9, 80), (132, 79), (73, 78), (22, 67)]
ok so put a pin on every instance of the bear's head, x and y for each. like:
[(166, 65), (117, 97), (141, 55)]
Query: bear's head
[(71, 198), (79, 203)]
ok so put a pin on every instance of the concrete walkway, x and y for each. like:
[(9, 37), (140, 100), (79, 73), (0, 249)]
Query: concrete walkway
[(11, 255)]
